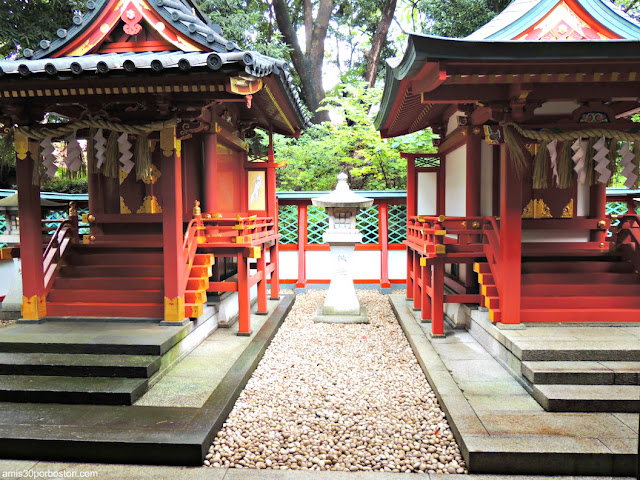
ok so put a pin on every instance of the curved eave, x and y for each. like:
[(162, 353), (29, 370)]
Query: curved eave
[(608, 15), (424, 48)]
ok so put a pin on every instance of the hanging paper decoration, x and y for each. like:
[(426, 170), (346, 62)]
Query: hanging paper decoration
[(602, 160), (553, 158), (579, 148), (73, 158), (124, 147), (628, 166), (100, 147), (48, 158)]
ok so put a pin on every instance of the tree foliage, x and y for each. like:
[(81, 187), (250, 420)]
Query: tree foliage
[(25, 23), (352, 145)]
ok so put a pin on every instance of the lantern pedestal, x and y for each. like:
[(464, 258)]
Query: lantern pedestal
[(342, 206)]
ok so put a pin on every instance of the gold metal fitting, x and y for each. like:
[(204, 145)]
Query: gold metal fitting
[(441, 218), (602, 225), (91, 218), (601, 244), (614, 216), (196, 208), (207, 215), (73, 209), (421, 218), (475, 224), (92, 238), (464, 224)]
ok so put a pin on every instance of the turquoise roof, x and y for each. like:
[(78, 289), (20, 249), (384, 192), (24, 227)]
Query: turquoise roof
[(522, 14)]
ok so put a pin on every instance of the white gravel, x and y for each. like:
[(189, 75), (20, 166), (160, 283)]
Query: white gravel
[(338, 397)]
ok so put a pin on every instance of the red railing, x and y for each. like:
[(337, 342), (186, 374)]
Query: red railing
[(190, 246), (238, 230), (57, 246), (453, 237), (492, 250)]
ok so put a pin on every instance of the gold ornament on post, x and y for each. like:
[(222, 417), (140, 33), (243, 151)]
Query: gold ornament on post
[(73, 209), (196, 208)]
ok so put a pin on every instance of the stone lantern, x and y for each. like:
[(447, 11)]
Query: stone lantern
[(342, 206)]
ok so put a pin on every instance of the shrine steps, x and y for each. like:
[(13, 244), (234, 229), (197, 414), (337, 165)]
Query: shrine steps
[(576, 285), (110, 279), (82, 362), (569, 368)]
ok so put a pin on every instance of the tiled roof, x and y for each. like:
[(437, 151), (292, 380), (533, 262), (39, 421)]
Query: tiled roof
[(183, 15)]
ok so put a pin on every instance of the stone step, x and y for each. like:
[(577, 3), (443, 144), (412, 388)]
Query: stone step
[(92, 337), (588, 398), (598, 351), (581, 373), (79, 365), (76, 390)]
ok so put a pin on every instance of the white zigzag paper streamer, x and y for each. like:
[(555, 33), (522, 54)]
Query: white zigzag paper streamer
[(628, 166), (100, 146), (553, 157), (125, 153), (601, 160), (48, 158), (579, 148), (73, 158)]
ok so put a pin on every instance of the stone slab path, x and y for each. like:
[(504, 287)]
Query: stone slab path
[(499, 425)]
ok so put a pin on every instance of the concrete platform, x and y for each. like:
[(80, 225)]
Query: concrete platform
[(500, 427), (160, 429)]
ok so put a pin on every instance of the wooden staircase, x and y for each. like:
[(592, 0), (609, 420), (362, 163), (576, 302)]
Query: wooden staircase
[(570, 286), (115, 276)]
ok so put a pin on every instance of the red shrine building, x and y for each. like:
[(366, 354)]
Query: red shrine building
[(534, 114), (178, 207)]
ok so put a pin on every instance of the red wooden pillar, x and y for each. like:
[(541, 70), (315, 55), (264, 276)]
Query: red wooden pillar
[(33, 295), (383, 232), (172, 228), (244, 299), (417, 298), (96, 195), (210, 173), (302, 243), (411, 212), (409, 290), (598, 209), (510, 240), (437, 298), (262, 284), (425, 313), (272, 211)]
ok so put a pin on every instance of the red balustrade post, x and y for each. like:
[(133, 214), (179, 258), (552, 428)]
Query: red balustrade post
[(437, 298), (262, 284), (383, 238), (29, 211), (410, 255), (425, 313), (73, 221), (172, 226), (244, 299), (417, 298), (302, 243)]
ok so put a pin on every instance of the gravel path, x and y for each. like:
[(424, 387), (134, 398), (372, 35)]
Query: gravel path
[(338, 397)]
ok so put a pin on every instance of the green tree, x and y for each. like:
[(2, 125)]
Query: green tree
[(351, 145), (25, 23)]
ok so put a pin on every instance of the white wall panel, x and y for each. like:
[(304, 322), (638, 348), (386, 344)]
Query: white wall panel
[(456, 183)]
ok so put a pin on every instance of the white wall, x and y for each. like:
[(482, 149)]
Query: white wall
[(456, 183), (319, 265), (452, 123), (555, 236), (583, 201), (288, 264), (6, 276), (366, 264), (397, 264), (427, 193), (486, 179)]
